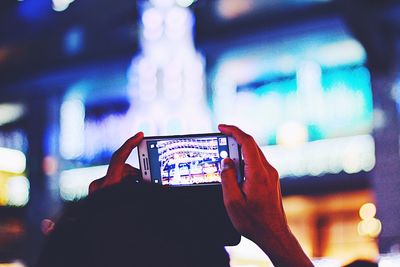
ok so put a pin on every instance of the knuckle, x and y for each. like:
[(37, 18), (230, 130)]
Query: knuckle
[(274, 173), (249, 138), (255, 204), (115, 156), (227, 172), (233, 203)]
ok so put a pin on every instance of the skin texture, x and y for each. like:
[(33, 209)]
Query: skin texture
[(118, 169), (254, 207)]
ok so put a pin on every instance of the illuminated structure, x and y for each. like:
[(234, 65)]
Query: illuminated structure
[(166, 85), (166, 80), (307, 101), (309, 105)]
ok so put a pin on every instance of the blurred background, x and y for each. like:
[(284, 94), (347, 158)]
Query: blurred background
[(316, 82)]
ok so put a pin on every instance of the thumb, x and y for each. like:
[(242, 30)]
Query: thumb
[(230, 187)]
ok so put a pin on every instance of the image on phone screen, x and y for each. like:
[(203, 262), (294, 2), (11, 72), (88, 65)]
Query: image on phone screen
[(187, 161)]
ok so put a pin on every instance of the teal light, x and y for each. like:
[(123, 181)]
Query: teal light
[(319, 85)]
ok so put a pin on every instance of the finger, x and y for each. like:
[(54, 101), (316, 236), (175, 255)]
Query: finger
[(130, 171), (96, 185), (116, 168), (230, 188), (249, 147)]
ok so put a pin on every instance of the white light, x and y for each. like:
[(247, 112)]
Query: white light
[(12, 160), (326, 262), (172, 81), (367, 211), (246, 249), (369, 161), (389, 260), (341, 53), (223, 154), (147, 88), (176, 23), (371, 227), (146, 123), (175, 83), (386, 263), (72, 124), (152, 35), (10, 112), (152, 19), (309, 75), (323, 156), (184, 3), (162, 3), (61, 5), (353, 158), (380, 118), (18, 191), (74, 184), (292, 134), (146, 68)]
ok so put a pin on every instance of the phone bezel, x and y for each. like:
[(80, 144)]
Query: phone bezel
[(144, 160)]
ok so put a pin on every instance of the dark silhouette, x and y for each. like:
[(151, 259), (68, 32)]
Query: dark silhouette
[(362, 263), (131, 224)]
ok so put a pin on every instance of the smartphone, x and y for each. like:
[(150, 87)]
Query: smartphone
[(187, 160)]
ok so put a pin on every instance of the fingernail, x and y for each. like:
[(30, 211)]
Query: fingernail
[(138, 134), (227, 164)]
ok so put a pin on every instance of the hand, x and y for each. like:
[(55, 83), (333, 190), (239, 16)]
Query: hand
[(118, 169), (255, 207)]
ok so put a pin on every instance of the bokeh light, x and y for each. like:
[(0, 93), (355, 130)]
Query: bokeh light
[(367, 211)]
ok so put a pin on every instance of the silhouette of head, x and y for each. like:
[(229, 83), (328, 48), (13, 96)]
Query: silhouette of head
[(135, 225)]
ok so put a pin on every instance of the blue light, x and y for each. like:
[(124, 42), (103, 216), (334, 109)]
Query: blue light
[(34, 10), (74, 41)]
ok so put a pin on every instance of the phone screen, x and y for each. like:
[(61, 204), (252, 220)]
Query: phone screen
[(187, 161)]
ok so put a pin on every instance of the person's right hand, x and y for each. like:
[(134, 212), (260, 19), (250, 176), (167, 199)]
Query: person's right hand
[(255, 207)]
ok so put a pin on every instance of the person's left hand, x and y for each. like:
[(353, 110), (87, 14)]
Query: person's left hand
[(118, 169)]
